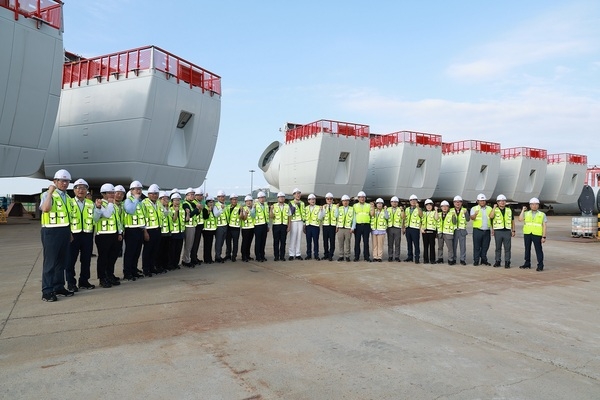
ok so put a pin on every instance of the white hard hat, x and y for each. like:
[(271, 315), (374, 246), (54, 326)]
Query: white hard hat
[(220, 193), (501, 197), (210, 198), (361, 194), (481, 197), (261, 194), (107, 187), (190, 190), (329, 196), (345, 197), (175, 195), (379, 200), (457, 198), (198, 191), (174, 190), (120, 188), (248, 198), (162, 193), (428, 201), (153, 188), (534, 200), (233, 196), (62, 174), (81, 182), (280, 194), (395, 199), (135, 184), (296, 190), (444, 203), (311, 196), (413, 197)]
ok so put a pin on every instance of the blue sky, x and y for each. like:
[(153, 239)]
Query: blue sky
[(522, 73)]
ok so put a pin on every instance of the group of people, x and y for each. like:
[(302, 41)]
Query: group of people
[(166, 230)]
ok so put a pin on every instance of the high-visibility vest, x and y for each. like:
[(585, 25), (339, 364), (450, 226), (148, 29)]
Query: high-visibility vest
[(136, 220), (248, 223), (82, 220), (345, 216), (447, 223), (395, 220), (153, 214), (222, 218), (179, 222), (413, 220), (502, 221), (378, 221), (166, 225), (233, 216), (120, 211), (311, 217), (199, 217), (210, 223), (108, 225), (262, 213), (461, 218), (362, 213), (60, 213), (280, 214), (534, 224), (329, 217), (192, 222), (298, 214), (428, 221), (483, 213)]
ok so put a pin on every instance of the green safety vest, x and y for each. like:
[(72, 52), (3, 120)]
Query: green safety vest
[(329, 218), (298, 214), (192, 222), (534, 224), (108, 225), (428, 222), (60, 213), (280, 215), (166, 225), (136, 220), (248, 223), (200, 216), (378, 221), (222, 218), (461, 222), (502, 222), (447, 224), (311, 217), (82, 220), (345, 216), (210, 224), (262, 213), (362, 213), (153, 214), (395, 220), (233, 215), (178, 223), (413, 220), (478, 221)]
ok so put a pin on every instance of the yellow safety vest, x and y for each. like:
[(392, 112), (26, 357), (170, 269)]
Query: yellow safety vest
[(248, 223), (166, 225), (199, 217), (298, 214), (502, 222), (311, 217), (210, 223), (280, 214), (135, 220), (362, 213), (378, 221), (193, 221), (345, 216), (261, 213), (534, 224), (478, 221), (108, 225), (329, 217), (233, 215), (178, 223), (82, 220), (395, 220), (428, 221), (461, 218), (60, 213), (222, 218), (153, 214), (413, 220)]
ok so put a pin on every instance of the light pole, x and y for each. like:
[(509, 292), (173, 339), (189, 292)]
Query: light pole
[(251, 181)]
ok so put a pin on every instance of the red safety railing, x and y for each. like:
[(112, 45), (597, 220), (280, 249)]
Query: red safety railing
[(419, 138), (568, 158), (329, 127), (592, 176), (524, 152), (43, 11), (116, 65), (475, 145)]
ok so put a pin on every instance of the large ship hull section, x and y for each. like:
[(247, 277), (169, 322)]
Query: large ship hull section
[(30, 81), (127, 129), (565, 176), (522, 174)]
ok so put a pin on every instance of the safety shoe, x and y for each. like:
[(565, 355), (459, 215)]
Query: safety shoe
[(507, 265), (49, 297), (64, 292), (73, 288), (86, 285), (497, 264)]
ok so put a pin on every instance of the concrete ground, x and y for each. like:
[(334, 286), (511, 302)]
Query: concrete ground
[(308, 329)]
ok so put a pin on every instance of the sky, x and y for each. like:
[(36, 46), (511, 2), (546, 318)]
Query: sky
[(521, 73)]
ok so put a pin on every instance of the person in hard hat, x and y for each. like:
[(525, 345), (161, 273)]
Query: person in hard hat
[(177, 215), (313, 215), (503, 230), (460, 234), (232, 240), (166, 228), (82, 245), (109, 236), (361, 226), (280, 214), (247, 214), (429, 224), (445, 232), (199, 203), (55, 206), (345, 217), (191, 221), (482, 225), (534, 231), (153, 227), (135, 231), (412, 230), (296, 226), (329, 227), (379, 225), (120, 193), (219, 210), (394, 230), (261, 226), (210, 229)]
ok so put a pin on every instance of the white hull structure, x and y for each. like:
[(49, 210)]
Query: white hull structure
[(469, 167), (31, 62), (522, 173), (403, 163), (142, 114), (564, 178), (320, 157), (589, 200)]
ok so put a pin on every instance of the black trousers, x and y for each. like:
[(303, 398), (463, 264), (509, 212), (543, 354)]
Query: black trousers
[(150, 252), (81, 246), (56, 257), (247, 237), (328, 241), (134, 240), (232, 242), (412, 240), (175, 247), (260, 235), (196, 244), (481, 244), (429, 246), (362, 231), (208, 237), (279, 239), (537, 244), (163, 251), (108, 246)]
